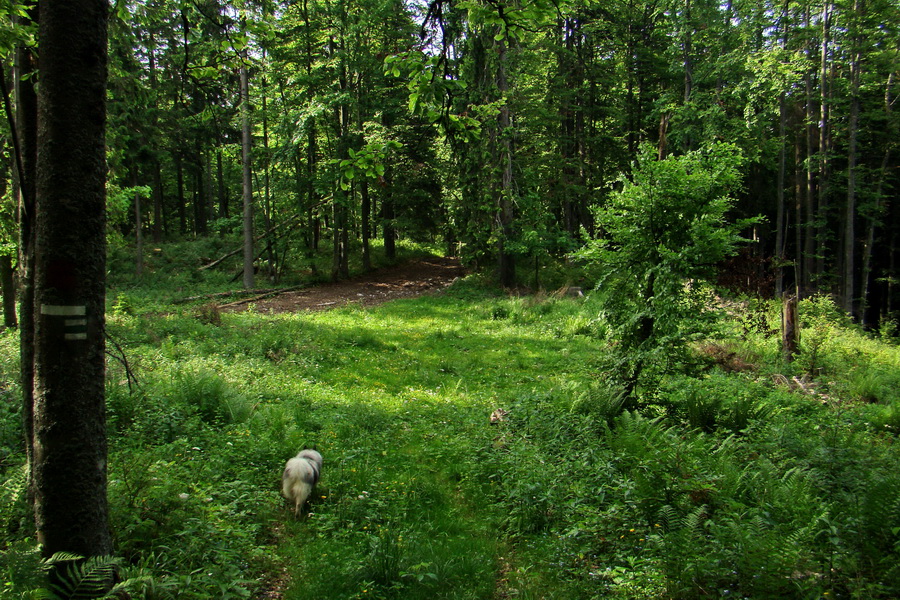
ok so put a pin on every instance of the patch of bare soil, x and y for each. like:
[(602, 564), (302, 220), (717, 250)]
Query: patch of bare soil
[(408, 280)]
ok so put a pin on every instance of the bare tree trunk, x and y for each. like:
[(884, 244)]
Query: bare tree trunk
[(157, 174), (69, 466), (179, 177), (507, 261), (268, 209), (366, 217), (871, 226), (138, 227), (849, 290), (824, 141), (9, 292), (387, 216), (220, 186), (26, 133), (6, 266), (247, 178), (780, 212), (780, 217)]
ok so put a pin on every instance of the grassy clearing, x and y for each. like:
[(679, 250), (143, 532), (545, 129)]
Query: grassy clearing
[(740, 476)]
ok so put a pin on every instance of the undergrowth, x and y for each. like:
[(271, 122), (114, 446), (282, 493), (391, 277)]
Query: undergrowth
[(734, 475)]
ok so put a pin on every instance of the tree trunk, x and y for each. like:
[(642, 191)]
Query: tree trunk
[(70, 273), (507, 262), (179, 179), (789, 331), (220, 185), (366, 217), (873, 221), (779, 192), (809, 237), (268, 208), (26, 126), (157, 170), (158, 224), (7, 284), (387, 217), (9, 292), (138, 227), (849, 290), (821, 215), (247, 179)]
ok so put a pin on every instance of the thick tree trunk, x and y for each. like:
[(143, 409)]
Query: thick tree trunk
[(69, 466)]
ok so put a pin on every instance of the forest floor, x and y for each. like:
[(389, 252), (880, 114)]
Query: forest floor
[(406, 280)]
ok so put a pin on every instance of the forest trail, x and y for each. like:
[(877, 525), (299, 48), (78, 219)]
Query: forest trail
[(406, 280)]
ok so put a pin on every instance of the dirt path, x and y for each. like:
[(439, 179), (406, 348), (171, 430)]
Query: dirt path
[(408, 280)]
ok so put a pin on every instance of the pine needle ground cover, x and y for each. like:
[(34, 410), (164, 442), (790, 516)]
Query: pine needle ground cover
[(769, 480)]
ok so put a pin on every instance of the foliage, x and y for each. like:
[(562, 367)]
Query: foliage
[(662, 233), (734, 480)]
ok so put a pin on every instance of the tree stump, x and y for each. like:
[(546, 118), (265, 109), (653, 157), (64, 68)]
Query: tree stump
[(790, 331)]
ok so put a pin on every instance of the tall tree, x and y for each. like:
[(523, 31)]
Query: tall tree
[(26, 134), (69, 466), (247, 182)]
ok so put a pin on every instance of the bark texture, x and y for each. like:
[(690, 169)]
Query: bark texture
[(69, 466)]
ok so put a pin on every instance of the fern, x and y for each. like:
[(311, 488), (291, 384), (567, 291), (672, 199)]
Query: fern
[(11, 492), (78, 578)]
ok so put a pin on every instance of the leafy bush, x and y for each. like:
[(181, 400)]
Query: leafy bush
[(662, 231)]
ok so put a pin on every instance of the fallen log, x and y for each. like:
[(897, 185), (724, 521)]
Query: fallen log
[(263, 292), (265, 295), (256, 239)]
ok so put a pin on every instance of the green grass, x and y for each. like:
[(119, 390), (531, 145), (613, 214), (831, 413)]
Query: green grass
[(721, 484)]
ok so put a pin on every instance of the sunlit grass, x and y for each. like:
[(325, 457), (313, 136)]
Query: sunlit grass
[(723, 481)]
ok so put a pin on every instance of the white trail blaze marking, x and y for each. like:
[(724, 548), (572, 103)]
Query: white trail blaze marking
[(76, 329), (59, 310)]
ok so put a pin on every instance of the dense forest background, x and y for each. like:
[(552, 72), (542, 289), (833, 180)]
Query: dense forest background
[(502, 128)]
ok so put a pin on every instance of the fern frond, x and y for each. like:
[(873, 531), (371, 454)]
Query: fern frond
[(669, 518), (695, 520), (12, 490), (82, 579), (60, 557)]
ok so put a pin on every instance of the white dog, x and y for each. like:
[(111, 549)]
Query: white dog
[(301, 474)]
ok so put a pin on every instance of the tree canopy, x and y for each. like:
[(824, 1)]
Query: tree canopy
[(502, 128)]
